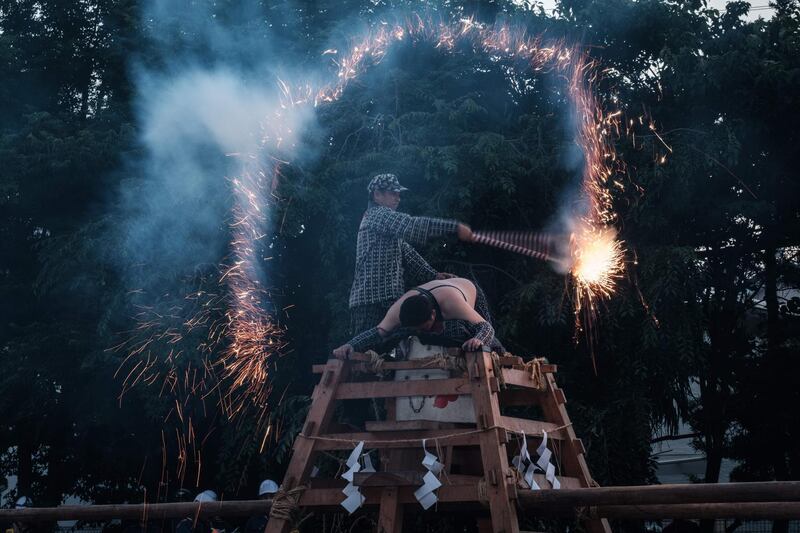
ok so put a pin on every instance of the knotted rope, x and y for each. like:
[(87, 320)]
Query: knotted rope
[(534, 366), (285, 502), (375, 363)]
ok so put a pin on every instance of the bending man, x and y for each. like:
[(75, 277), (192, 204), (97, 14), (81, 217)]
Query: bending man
[(440, 307), (384, 257)]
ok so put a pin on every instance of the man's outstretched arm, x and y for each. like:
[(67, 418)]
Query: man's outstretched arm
[(414, 229)]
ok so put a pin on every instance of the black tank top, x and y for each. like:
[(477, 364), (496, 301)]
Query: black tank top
[(429, 295)]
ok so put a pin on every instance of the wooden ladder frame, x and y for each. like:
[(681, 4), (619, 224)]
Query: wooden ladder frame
[(391, 490)]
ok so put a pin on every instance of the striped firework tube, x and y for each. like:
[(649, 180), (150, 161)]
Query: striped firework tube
[(536, 245)]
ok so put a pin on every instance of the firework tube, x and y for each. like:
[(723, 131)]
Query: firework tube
[(536, 245)]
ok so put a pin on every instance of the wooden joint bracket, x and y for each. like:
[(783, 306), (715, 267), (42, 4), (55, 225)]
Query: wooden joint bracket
[(502, 436)]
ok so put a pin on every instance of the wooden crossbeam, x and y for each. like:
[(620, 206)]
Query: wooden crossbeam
[(392, 440), (532, 428), (395, 389), (361, 363), (412, 425)]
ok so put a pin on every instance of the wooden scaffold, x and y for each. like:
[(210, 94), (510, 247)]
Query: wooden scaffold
[(495, 384)]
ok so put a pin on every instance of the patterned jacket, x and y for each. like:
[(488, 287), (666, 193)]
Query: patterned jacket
[(384, 255)]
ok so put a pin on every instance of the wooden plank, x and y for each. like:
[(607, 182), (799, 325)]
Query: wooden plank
[(665, 494), (519, 378), (493, 451), (410, 425), (333, 497), (319, 415), (415, 364), (395, 389), (744, 511), (409, 479), (388, 439), (532, 428), (390, 515), (510, 360), (452, 352), (388, 479), (148, 511), (518, 363)]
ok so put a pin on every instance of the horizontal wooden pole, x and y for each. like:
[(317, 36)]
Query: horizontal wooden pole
[(394, 389), (752, 511), (768, 491), (775, 500), (150, 511), (748, 511)]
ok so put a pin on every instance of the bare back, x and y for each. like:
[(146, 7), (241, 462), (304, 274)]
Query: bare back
[(455, 296)]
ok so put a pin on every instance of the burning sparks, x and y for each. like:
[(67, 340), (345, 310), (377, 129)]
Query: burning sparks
[(598, 263), (231, 325)]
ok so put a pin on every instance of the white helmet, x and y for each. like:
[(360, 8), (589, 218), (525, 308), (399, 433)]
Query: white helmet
[(267, 487), (206, 496), (23, 502)]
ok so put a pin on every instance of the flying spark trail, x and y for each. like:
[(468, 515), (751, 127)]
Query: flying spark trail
[(217, 344)]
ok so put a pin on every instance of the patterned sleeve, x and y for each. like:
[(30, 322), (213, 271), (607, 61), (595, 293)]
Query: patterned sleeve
[(411, 229), (418, 269), (484, 332), (366, 340)]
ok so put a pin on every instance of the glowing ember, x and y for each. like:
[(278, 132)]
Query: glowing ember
[(598, 262)]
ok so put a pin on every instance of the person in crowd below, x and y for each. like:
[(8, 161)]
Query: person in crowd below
[(453, 308), (257, 523), (202, 524), (384, 255)]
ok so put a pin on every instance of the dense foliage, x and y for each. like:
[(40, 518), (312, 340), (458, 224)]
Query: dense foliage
[(716, 231)]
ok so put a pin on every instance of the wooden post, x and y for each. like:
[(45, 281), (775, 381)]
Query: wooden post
[(493, 449), (390, 516), (319, 415)]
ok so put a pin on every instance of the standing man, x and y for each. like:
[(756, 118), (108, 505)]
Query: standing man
[(384, 255)]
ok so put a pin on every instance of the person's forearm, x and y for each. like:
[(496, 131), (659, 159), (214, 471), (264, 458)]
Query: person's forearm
[(484, 332), (366, 340)]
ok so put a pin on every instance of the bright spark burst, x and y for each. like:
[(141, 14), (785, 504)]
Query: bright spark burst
[(242, 337), (598, 263)]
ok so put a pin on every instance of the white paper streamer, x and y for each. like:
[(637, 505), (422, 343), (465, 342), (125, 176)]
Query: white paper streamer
[(354, 499), (544, 462), (524, 464), (425, 495)]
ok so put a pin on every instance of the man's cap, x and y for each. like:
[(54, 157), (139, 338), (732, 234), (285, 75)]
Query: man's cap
[(206, 496), (23, 502), (385, 182), (267, 487)]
